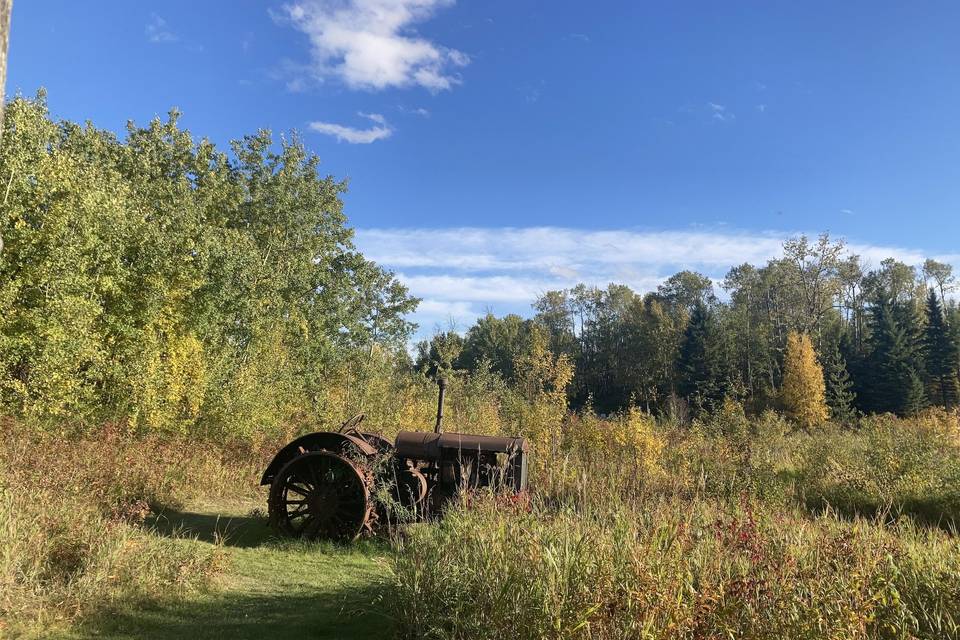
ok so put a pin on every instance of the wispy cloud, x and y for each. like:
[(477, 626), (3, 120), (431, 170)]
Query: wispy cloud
[(461, 272), (417, 111), (370, 44), (379, 131), (532, 91), (762, 108), (158, 32), (720, 113), (846, 211)]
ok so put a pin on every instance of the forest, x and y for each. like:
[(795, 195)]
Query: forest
[(885, 337), (775, 455)]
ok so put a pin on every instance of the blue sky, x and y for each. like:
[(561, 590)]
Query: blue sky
[(497, 149)]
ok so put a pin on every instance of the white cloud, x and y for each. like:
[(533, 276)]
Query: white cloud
[(416, 111), (462, 272), (460, 288), (762, 108), (846, 211), (344, 133), (158, 32), (720, 112), (296, 85), (436, 314), (369, 44)]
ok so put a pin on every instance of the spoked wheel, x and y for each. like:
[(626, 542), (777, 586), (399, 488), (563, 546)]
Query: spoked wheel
[(319, 495)]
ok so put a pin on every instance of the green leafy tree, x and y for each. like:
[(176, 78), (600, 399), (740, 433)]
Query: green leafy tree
[(159, 281), (498, 341), (438, 356)]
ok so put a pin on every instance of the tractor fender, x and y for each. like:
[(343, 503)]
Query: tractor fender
[(319, 441)]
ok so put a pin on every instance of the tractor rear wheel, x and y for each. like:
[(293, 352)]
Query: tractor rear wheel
[(320, 495)]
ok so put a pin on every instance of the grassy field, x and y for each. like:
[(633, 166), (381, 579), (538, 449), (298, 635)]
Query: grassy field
[(268, 588), (633, 528)]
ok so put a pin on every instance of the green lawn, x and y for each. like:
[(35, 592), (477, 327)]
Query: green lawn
[(270, 588)]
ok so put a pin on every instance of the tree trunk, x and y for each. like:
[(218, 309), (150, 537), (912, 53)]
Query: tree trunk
[(6, 6)]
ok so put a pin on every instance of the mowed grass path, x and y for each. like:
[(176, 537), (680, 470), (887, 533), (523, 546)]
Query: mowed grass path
[(270, 588)]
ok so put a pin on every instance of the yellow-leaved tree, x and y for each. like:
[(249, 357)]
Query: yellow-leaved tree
[(804, 393)]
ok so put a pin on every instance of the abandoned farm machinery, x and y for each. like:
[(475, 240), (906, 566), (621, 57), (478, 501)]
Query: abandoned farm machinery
[(339, 485)]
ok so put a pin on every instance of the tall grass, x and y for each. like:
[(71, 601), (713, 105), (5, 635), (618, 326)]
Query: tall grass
[(706, 532), (72, 510)]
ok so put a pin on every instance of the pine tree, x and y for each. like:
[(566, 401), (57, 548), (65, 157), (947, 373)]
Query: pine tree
[(804, 393), (915, 400), (840, 394), (940, 356)]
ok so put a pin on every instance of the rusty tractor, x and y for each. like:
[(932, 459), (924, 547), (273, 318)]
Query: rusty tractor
[(340, 485)]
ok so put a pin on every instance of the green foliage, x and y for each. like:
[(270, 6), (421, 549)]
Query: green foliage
[(700, 370), (902, 466), (158, 281), (940, 355), (840, 395), (437, 356), (499, 341)]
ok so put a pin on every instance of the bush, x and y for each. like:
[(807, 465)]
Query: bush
[(893, 465)]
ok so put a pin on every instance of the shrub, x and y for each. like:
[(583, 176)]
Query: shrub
[(901, 466)]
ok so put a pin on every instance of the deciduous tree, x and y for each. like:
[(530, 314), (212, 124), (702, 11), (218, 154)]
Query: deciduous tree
[(804, 395)]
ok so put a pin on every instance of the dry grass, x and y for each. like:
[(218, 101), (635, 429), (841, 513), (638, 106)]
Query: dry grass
[(72, 510), (712, 539)]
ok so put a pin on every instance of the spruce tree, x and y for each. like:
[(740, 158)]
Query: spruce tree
[(915, 399), (693, 364), (940, 356), (840, 394), (891, 362)]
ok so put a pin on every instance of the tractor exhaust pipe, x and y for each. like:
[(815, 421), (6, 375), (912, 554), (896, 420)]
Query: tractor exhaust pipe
[(442, 383)]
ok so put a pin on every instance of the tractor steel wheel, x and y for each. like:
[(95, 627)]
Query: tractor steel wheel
[(319, 495)]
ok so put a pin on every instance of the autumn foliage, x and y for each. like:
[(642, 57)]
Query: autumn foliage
[(804, 393)]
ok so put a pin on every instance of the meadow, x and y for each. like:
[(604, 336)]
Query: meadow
[(633, 528)]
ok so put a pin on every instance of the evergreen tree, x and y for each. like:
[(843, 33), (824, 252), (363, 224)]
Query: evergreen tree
[(915, 399), (840, 394), (886, 377), (693, 364), (940, 356), (803, 387)]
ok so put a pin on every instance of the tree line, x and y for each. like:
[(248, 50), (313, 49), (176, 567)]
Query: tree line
[(160, 282), (882, 339)]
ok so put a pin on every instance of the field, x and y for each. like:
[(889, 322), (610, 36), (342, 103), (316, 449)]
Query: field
[(633, 529)]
